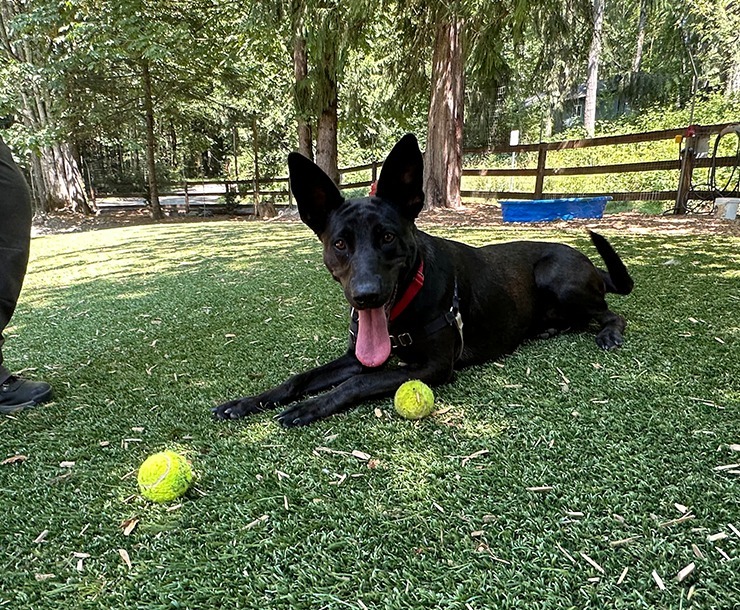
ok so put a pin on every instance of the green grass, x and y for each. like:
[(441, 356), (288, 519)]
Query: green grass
[(141, 330)]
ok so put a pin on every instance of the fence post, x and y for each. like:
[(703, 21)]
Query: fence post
[(375, 171), (687, 170), (541, 162), (187, 198)]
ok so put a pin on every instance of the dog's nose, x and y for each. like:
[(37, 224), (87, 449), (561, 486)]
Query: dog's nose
[(367, 295)]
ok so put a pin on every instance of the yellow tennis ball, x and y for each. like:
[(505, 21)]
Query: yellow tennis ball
[(414, 400), (164, 476)]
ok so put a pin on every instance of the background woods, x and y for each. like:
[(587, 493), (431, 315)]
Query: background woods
[(100, 96)]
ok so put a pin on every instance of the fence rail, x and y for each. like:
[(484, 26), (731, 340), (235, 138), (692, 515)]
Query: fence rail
[(692, 139)]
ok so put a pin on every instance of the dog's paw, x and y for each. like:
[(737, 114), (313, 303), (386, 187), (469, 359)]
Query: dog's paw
[(549, 333), (235, 409), (609, 338), (301, 413)]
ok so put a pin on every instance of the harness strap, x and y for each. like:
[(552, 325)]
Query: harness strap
[(449, 318)]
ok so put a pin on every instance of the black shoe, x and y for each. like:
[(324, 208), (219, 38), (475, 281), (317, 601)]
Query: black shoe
[(17, 393)]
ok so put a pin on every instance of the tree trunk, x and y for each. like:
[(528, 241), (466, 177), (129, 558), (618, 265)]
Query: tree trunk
[(443, 157), (641, 26), (327, 97), (235, 147), (326, 142), (151, 162), (56, 180), (261, 209), (733, 77), (71, 186), (173, 144), (592, 80), (55, 176), (302, 87), (553, 104), (38, 185)]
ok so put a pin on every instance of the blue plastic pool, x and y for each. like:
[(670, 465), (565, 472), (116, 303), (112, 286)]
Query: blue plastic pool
[(543, 210)]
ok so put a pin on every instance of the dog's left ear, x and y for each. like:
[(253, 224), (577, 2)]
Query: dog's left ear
[(402, 177), (316, 194)]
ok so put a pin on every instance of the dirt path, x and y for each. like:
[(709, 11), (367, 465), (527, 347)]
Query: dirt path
[(476, 215)]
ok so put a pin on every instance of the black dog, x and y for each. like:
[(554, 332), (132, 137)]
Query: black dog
[(435, 303)]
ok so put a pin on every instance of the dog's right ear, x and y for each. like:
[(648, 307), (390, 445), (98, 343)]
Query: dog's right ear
[(317, 196)]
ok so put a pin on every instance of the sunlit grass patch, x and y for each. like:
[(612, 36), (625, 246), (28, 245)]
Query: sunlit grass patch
[(557, 451)]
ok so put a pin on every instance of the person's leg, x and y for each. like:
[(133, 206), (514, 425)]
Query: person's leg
[(15, 238)]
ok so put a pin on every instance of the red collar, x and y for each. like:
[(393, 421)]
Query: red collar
[(411, 292)]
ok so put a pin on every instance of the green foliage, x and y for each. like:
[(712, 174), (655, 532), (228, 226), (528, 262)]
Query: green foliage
[(209, 69), (689, 47), (707, 110), (218, 66), (444, 520)]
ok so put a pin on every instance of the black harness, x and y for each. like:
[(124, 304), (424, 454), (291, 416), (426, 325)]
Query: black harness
[(449, 318)]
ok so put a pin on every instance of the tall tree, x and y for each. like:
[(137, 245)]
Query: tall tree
[(320, 35), (468, 40), (326, 47), (592, 76), (640, 42), (145, 45), (151, 139), (544, 65), (33, 53), (158, 66), (301, 86), (443, 161)]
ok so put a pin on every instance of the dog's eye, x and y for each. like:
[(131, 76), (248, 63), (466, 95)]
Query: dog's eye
[(340, 244), (388, 238)]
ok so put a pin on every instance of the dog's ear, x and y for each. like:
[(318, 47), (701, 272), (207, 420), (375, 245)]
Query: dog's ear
[(402, 177), (313, 190)]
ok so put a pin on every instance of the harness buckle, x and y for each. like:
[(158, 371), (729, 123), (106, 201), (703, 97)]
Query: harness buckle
[(459, 323), (402, 340)]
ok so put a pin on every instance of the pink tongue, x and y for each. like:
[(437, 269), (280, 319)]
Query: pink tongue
[(373, 343)]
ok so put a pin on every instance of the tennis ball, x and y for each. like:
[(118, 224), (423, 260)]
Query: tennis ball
[(414, 400), (164, 476)]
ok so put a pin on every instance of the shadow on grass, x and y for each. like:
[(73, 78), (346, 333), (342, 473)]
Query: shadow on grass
[(141, 330), (255, 304)]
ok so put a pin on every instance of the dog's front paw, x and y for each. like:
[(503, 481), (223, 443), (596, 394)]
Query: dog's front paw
[(234, 409), (609, 338), (301, 413)]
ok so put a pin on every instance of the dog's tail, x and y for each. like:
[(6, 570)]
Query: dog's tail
[(616, 278)]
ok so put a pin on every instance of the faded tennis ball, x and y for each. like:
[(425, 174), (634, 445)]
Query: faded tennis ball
[(414, 400), (164, 476)]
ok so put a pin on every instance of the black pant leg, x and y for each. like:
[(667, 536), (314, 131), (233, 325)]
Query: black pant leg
[(15, 239)]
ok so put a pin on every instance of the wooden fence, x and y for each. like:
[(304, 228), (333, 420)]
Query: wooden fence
[(266, 187), (693, 140)]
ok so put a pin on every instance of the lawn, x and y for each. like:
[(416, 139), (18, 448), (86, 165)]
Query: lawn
[(559, 477)]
